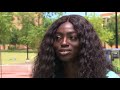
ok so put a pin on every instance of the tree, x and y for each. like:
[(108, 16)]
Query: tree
[(34, 25), (36, 35), (103, 32), (15, 35), (5, 26), (27, 25), (111, 26)]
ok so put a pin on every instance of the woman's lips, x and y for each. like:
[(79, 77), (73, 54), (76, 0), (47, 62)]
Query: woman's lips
[(64, 52)]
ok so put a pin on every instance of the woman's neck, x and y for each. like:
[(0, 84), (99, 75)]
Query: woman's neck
[(70, 70)]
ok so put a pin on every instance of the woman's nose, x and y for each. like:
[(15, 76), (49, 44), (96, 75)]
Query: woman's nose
[(64, 42)]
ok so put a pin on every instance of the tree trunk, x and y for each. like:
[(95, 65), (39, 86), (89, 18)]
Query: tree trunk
[(4, 46)]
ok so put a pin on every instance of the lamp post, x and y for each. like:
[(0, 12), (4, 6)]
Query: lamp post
[(27, 49), (27, 52), (116, 29)]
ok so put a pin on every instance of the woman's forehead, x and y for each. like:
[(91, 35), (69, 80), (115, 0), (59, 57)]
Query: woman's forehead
[(66, 25)]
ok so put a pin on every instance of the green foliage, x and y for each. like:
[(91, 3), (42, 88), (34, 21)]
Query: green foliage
[(111, 42), (47, 22), (35, 36), (55, 14), (12, 48), (14, 36), (116, 64), (5, 25), (27, 25), (97, 22), (30, 33), (111, 27)]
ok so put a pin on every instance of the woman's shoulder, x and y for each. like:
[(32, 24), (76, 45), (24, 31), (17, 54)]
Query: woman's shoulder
[(112, 74)]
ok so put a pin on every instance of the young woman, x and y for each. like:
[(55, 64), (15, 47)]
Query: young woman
[(71, 49)]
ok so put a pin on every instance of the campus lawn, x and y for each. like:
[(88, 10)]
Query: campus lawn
[(116, 64), (16, 57), (20, 58)]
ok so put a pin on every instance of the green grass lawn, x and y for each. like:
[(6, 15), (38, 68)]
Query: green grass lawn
[(116, 64), (16, 57), (20, 58)]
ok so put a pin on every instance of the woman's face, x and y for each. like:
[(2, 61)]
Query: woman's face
[(66, 44)]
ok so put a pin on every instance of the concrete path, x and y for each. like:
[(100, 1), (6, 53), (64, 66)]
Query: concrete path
[(16, 71)]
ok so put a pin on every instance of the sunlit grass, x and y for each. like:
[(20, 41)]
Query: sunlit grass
[(20, 58), (116, 64), (16, 57)]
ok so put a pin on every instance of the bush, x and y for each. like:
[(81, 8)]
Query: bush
[(11, 48), (117, 69), (116, 64)]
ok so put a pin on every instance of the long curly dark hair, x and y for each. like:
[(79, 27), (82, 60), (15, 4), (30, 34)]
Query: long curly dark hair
[(91, 60)]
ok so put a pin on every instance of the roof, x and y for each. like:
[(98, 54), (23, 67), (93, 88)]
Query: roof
[(108, 14)]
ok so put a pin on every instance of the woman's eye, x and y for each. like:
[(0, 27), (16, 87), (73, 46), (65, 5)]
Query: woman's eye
[(57, 37), (73, 38)]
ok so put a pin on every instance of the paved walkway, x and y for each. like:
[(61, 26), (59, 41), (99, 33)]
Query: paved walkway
[(16, 71)]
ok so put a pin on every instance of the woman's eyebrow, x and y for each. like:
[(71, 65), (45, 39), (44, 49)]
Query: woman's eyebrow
[(68, 33), (73, 32), (60, 33)]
